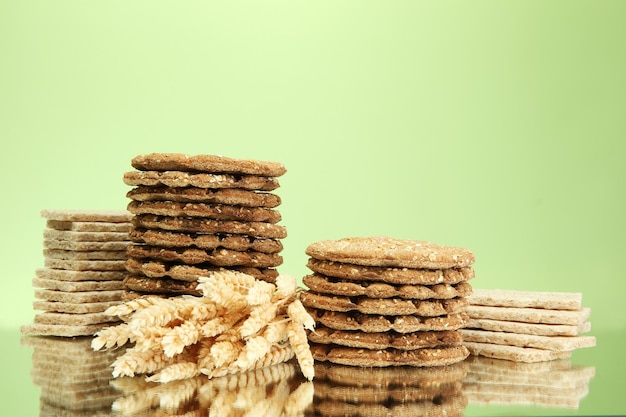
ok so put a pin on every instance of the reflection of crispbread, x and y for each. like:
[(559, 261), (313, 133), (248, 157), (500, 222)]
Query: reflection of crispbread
[(401, 341), (201, 180), (384, 306), (217, 257), (390, 252), (446, 406), (377, 323), (388, 357), (326, 285), (232, 196), (390, 275)]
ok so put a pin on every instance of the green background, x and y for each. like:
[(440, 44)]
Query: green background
[(492, 125)]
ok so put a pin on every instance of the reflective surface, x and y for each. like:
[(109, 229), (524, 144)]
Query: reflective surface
[(64, 377)]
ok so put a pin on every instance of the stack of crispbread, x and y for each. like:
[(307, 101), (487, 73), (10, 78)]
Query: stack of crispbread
[(74, 380), (84, 253), (196, 214), (526, 326), (342, 390), (380, 301), (554, 383)]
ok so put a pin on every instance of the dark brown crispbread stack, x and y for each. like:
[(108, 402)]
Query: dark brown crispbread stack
[(526, 326), (380, 301), (195, 214), (84, 255)]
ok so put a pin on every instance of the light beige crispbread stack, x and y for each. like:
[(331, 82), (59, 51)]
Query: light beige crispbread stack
[(195, 214), (526, 326), (555, 383), (84, 255)]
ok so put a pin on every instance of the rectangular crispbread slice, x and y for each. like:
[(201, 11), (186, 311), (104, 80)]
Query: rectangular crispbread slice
[(514, 353), (76, 286), (68, 235), (526, 299), (555, 343), (112, 216), (88, 226), (74, 319), (73, 308), (79, 297), (114, 265), (530, 328), (71, 255), (529, 315), (85, 246), (75, 276), (61, 329)]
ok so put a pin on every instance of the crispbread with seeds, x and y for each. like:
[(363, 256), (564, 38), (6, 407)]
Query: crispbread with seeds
[(514, 353), (69, 275), (69, 235), (217, 257), (400, 341), (389, 357), (74, 319), (527, 299), (93, 265), (232, 196), (112, 216), (328, 285), (377, 323), (60, 285), (556, 343), (85, 246), (529, 328), (390, 275), (205, 241), (390, 252), (156, 269), (206, 163), (209, 211), (200, 225), (384, 306), (88, 226), (74, 308), (71, 255), (78, 297), (61, 329), (529, 315), (161, 285), (185, 179)]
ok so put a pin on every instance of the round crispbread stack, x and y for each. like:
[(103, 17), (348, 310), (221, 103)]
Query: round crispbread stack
[(380, 301), (196, 214)]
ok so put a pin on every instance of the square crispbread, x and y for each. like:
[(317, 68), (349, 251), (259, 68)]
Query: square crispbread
[(74, 319), (88, 226), (526, 299), (74, 308), (69, 275), (529, 328), (93, 265), (62, 330), (85, 246), (514, 353), (79, 297), (529, 315), (70, 235), (555, 343), (71, 255), (71, 286), (112, 216)]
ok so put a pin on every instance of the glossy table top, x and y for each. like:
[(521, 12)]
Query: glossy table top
[(64, 377)]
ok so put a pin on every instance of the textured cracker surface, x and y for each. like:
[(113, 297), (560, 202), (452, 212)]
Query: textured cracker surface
[(529, 315), (69, 275), (212, 211), (514, 353), (206, 163), (217, 257), (176, 179), (233, 196), (524, 299), (529, 328), (555, 343), (86, 215)]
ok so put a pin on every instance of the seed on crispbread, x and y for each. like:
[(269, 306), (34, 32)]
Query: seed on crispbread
[(176, 179)]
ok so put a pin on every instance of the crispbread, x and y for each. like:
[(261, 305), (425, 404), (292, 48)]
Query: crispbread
[(88, 226), (74, 319), (84, 255), (390, 275), (514, 353), (78, 297), (527, 299), (61, 329), (85, 246), (217, 257), (377, 323), (384, 306), (59, 285), (529, 328), (69, 275), (200, 225), (555, 343), (161, 285), (202, 180), (167, 239), (390, 252), (112, 216), (328, 285), (69, 235), (232, 196), (93, 265), (529, 315), (209, 211), (75, 308), (389, 357), (206, 163), (536, 397), (400, 341)]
